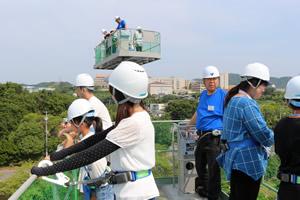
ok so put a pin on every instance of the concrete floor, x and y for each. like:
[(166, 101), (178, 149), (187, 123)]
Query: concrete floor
[(169, 192)]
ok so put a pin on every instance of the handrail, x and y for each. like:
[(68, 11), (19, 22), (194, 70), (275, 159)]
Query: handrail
[(32, 178), (23, 188), (114, 43), (269, 186)]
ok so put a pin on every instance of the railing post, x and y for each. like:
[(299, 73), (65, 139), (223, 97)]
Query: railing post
[(74, 174), (173, 154)]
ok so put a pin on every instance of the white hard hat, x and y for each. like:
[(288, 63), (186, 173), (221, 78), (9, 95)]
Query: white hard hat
[(117, 17), (84, 80), (104, 31), (257, 70), (80, 107), (138, 28), (210, 72), (292, 91), (131, 79)]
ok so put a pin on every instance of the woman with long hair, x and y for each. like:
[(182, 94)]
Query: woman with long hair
[(130, 143), (246, 135)]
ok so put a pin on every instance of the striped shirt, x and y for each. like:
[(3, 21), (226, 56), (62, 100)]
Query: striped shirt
[(242, 120)]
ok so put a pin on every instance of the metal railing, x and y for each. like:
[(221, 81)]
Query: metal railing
[(23, 188), (165, 171), (124, 40)]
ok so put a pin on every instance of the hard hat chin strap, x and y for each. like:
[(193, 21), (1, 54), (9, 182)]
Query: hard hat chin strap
[(82, 120), (254, 87), (127, 98)]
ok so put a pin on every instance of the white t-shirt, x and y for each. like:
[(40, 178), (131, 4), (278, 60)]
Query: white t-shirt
[(135, 136), (94, 170), (101, 111)]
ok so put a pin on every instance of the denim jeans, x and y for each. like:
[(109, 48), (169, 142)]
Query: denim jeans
[(87, 191), (105, 193)]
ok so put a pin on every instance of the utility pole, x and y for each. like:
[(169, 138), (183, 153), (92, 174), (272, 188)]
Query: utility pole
[(46, 134)]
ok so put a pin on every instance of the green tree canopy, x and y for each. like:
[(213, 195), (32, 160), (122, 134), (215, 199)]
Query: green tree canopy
[(181, 109)]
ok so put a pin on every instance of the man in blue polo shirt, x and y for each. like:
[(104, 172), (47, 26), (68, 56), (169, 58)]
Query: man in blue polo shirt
[(121, 23), (208, 119)]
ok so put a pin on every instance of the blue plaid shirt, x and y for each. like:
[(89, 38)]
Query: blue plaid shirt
[(242, 120)]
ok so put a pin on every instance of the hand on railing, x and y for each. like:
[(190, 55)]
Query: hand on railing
[(61, 179), (47, 158)]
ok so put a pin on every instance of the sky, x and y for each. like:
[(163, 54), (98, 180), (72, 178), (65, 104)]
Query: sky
[(54, 40)]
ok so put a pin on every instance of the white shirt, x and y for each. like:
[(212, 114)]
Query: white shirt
[(138, 37), (135, 136), (94, 170), (101, 111)]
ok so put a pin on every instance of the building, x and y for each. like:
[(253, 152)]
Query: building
[(101, 81), (160, 88), (197, 85), (157, 109), (179, 85), (224, 81), (32, 88)]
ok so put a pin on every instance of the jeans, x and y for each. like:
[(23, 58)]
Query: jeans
[(208, 182), (87, 191), (105, 193)]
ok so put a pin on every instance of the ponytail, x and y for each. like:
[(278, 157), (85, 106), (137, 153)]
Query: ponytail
[(244, 85), (233, 91), (97, 123)]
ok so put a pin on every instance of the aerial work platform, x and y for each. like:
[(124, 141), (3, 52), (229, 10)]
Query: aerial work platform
[(122, 46)]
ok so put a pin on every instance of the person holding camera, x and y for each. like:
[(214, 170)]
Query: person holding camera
[(67, 134)]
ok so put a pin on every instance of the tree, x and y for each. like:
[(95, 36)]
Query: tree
[(52, 102), (29, 138), (14, 103), (162, 133), (273, 112), (181, 109)]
